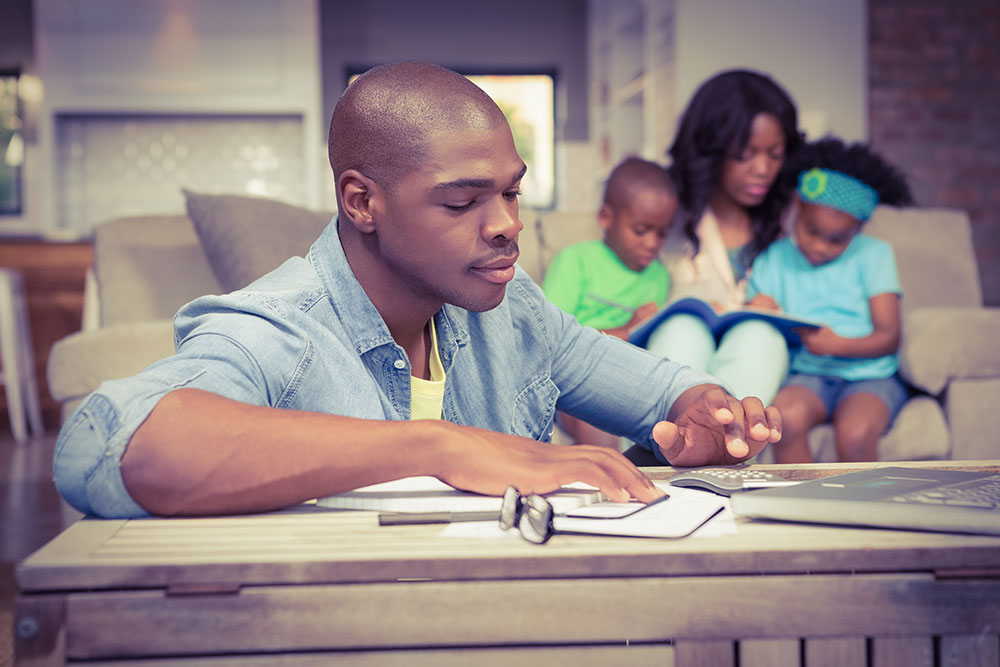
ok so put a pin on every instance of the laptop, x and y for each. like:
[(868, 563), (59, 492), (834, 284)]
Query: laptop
[(952, 501)]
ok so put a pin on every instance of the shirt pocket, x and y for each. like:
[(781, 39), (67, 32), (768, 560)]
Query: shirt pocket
[(535, 409)]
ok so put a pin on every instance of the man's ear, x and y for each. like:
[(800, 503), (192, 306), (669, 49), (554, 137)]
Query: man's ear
[(356, 195), (605, 216)]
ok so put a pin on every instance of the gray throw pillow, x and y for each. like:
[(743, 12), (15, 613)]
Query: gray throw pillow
[(245, 237)]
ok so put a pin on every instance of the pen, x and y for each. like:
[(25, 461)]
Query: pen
[(415, 518)]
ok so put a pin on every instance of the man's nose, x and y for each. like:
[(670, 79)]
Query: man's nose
[(503, 222)]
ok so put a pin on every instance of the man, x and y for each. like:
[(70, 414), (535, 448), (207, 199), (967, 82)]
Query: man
[(405, 343)]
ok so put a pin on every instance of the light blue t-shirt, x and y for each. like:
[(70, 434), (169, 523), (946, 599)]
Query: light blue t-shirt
[(836, 294)]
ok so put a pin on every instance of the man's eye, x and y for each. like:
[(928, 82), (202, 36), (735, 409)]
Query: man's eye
[(460, 207), (512, 194)]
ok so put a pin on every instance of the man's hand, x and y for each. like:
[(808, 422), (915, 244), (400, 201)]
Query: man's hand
[(487, 462), (709, 427)]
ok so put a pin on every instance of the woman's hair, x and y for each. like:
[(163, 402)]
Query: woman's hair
[(857, 160), (715, 127)]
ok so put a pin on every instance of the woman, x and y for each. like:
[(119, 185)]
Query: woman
[(727, 158)]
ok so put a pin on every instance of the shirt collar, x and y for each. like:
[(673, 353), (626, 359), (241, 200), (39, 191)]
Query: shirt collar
[(357, 314)]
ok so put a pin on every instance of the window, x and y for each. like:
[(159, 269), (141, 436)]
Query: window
[(11, 145), (528, 102)]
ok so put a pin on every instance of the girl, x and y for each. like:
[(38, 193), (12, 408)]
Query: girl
[(828, 271), (727, 160)]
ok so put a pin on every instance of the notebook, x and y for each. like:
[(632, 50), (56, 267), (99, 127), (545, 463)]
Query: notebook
[(429, 494), (951, 501)]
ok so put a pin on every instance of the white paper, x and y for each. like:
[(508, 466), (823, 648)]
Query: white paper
[(429, 494)]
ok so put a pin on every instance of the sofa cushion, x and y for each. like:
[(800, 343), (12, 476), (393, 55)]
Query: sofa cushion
[(547, 233), (147, 267), (937, 263), (80, 362), (245, 237), (942, 344)]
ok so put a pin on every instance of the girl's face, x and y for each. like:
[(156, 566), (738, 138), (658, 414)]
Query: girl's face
[(747, 177), (823, 233)]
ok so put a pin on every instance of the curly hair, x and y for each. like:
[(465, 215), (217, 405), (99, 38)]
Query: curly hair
[(859, 161), (715, 127)]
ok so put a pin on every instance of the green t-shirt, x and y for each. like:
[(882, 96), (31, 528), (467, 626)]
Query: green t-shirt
[(590, 282)]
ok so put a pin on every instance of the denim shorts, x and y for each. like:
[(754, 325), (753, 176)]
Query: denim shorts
[(832, 390)]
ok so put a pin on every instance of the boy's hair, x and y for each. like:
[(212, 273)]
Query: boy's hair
[(633, 172), (858, 161), (716, 126)]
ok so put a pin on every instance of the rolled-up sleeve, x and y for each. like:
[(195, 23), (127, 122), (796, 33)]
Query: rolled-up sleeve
[(88, 452)]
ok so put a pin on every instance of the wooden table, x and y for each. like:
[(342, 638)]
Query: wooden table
[(309, 587)]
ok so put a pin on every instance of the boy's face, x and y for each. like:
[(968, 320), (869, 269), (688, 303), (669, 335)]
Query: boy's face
[(747, 177), (448, 230), (823, 233), (636, 232)]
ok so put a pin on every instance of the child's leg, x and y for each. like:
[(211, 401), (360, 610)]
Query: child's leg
[(685, 339), (752, 360), (865, 410), (802, 404)]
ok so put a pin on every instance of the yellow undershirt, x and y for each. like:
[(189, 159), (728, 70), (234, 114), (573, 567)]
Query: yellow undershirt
[(427, 396)]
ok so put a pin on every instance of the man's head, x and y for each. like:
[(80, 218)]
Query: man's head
[(639, 204), (427, 182)]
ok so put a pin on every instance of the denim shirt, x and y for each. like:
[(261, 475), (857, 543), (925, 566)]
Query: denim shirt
[(307, 337)]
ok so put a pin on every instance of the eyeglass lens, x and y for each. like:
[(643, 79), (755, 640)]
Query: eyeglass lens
[(531, 515)]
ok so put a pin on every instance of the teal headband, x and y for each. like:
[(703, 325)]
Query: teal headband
[(838, 190)]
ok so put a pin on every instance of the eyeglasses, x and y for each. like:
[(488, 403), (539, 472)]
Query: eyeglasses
[(535, 519), (531, 515)]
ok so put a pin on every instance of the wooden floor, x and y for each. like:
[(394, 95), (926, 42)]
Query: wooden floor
[(29, 515)]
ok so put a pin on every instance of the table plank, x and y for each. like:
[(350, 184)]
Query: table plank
[(348, 547), (637, 655), (836, 652), (770, 653), (566, 611), (982, 650), (902, 652)]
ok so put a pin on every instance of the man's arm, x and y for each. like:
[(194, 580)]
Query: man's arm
[(198, 453)]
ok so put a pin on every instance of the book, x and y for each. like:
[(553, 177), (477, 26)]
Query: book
[(720, 323), (429, 494), (678, 514)]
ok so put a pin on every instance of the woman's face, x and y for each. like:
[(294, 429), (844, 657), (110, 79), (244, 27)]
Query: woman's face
[(747, 177)]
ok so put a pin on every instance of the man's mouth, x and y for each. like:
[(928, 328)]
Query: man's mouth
[(499, 271)]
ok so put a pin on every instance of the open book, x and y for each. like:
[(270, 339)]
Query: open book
[(719, 323)]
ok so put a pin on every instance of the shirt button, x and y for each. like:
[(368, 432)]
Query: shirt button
[(399, 363)]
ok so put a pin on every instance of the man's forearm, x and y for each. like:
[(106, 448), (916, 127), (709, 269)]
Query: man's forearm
[(200, 453)]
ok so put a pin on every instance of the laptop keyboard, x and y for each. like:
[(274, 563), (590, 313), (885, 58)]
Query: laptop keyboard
[(983, 493)]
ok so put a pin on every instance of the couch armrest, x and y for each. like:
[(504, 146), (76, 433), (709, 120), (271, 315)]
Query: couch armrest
[(80, 362), (941, 344)]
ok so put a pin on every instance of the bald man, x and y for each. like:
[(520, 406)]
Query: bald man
[(405, 343)]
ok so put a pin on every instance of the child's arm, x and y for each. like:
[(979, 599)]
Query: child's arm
[(883, 340), (642, 313), (764, 301)]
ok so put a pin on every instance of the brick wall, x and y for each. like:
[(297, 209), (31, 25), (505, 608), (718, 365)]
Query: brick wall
[(934, 109)]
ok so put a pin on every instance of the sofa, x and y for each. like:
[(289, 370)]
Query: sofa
[(145, 268)]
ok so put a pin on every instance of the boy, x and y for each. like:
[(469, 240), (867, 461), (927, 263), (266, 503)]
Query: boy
[(615, 284), (830, 272)]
